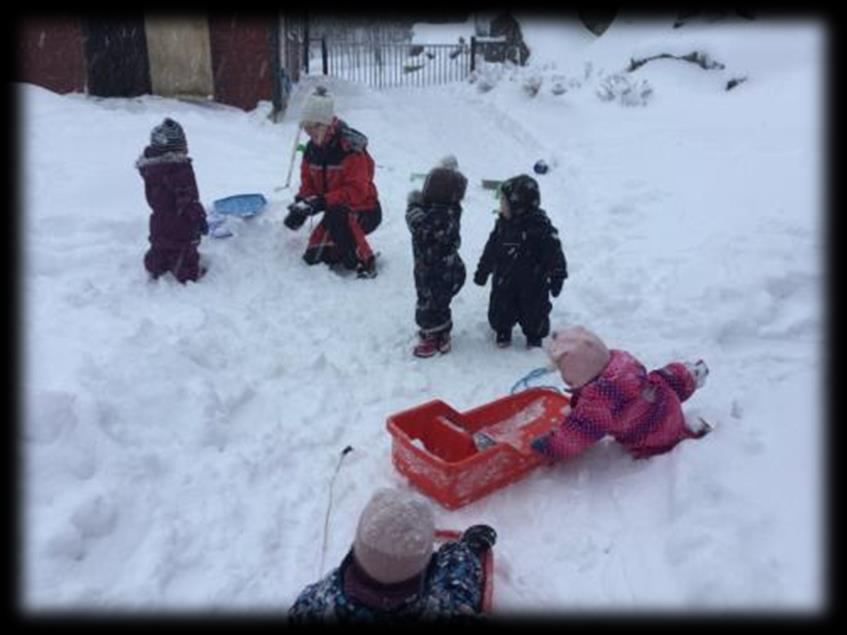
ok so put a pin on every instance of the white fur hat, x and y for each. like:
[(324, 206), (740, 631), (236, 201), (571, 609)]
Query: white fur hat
[(319, 107), (395, 535)]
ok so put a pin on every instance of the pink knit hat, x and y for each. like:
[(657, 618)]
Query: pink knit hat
[(395, 536), (580, 354)]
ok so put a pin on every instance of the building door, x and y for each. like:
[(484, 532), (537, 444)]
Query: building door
[(180, 56), (116, 57), (241, 58)]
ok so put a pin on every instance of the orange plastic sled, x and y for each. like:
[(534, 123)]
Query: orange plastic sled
[(455, 458), (445, 535)]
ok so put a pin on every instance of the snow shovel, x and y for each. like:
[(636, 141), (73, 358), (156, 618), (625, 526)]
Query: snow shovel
[(239, 206), (291, 164)]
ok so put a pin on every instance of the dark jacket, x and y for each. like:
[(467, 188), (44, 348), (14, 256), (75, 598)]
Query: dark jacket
[(435, 229), (171, 190), (523, 251), (452, 588), (340, 170)]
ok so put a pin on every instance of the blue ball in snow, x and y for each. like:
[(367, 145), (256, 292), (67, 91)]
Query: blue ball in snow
[(540, 167)]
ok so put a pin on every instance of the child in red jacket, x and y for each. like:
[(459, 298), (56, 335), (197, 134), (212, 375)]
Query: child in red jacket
[(336, 180), (613, 394), (178, 218)]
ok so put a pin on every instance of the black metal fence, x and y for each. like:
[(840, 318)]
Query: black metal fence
[(386, 65)]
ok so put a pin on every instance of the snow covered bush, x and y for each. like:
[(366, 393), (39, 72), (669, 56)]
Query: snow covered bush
[(628, 92), (532, 85), (486, 76)]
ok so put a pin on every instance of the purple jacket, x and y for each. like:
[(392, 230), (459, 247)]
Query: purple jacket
[(171, 191), (642, 411)]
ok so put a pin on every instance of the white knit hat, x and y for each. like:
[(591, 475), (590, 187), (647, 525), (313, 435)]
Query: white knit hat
[(319, 107), (395, 536)]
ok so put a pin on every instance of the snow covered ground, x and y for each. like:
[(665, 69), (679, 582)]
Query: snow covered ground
[(179, 441)]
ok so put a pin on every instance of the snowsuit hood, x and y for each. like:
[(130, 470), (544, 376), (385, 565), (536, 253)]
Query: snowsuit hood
[(522, 194)]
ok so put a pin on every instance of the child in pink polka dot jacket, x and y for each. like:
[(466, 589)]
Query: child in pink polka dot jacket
[(613, 394)]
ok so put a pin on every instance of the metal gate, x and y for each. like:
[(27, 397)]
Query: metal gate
[(387, 65)]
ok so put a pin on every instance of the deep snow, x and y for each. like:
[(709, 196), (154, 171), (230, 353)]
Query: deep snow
[(178, 441)]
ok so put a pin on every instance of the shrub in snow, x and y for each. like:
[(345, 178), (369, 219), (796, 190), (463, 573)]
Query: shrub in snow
[(562, 84), (486, 76), (532, 85), (621, 88), (734, 82), (703, 60)]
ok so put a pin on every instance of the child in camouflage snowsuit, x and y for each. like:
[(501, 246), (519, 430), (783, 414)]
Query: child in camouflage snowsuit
[(434, 218), (391, 573), (525, 256), (178, 218)]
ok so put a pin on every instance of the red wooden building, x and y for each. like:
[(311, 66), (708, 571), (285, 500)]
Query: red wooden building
[(232, 59)]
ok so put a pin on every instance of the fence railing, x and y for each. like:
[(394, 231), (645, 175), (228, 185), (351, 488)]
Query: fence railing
[(390, 65), (386, 65)]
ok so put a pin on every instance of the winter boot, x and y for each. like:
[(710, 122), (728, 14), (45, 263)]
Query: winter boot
[(698, 426), (533, 342), (366, 269), (699, 371), (429, 345), (444, 344), (504, 339)]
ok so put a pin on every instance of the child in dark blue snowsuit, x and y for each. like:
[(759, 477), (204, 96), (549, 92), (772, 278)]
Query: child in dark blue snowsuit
[(434, 219), (525, 255)]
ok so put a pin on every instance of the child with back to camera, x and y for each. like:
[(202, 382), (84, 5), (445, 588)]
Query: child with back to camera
[(434, 217), (178, 219)]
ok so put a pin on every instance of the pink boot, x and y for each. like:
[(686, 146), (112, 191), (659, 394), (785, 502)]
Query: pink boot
[(431, 344)]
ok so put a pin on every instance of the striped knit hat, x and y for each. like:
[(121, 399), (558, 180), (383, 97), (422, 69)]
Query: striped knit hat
[(169, 135)]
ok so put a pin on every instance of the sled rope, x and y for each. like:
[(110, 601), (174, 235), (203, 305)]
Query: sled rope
[(344, 453), (534, 374)]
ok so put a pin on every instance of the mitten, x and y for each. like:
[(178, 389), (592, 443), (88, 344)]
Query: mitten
[(542, 446), (316, 204), (204, 227), (480, 278), (479, 538), (415, 196), (699, 371), (556, 286), (414, 215), (297, 213)]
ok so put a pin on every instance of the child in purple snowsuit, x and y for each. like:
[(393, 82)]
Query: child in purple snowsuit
[(613, 394), (178, 219)]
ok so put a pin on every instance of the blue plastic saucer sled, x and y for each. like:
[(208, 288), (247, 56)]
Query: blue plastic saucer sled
[(242, 205)]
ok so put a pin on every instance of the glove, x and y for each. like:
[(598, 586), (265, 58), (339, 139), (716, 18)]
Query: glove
[(414, 215), (556, 286), (295, 218), (297, 213), (204, 227), (316, 203), (479, 538), (542, 446), (480, 278)]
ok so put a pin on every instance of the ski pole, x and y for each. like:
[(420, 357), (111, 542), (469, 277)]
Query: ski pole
[(344, 453)]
